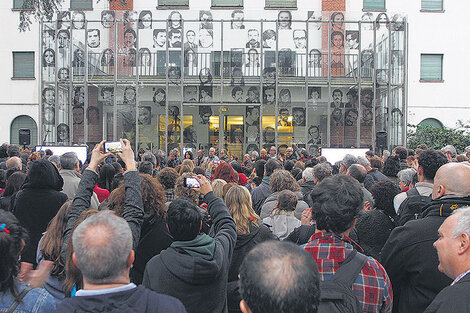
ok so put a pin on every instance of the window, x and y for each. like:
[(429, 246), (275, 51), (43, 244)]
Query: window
[(432, 122), (432, 5), (23, 64), (18, 4), (374, 5), (431, 67), (281, 3), (173, 3), (227, 3), (81, 4)]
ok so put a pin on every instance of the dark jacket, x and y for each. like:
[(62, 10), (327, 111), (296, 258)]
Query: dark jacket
[(372, 177), (138, 299), (133, 211), (244, 244), (260, 193), (270, 204), (306, 189), (154, 239), (411, 260), (37, 203), (6, 202), (301, 234), (200, 283), (452, 298)]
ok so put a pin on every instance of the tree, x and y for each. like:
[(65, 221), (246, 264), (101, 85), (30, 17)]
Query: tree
[(437, 138), (42, 9)]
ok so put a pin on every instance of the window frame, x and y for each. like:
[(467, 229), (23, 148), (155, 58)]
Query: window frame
[(219, 6), (14, 8), (172, 6), (73, 8), (441, 10), (427, 80), (268, 7), (13, 77), (364, 9)]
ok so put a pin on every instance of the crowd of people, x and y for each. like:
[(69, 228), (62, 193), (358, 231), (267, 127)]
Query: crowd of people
[(150, 232)]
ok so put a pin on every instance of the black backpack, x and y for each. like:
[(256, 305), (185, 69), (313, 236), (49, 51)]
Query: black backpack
[(412, 207), (336, 295)]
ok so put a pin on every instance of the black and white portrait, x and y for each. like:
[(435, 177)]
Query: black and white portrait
[(337, 41), (315, 17), (48, 58), (189, 135), (145, 115), (206, 38), (130, 58), (79, 96), (382, 20), (48, 37), (252, 115), (350, 117), (93, 115), (93, 38), (190, 43), (253, 39), (337, 24), (78, 115), (107, 18), (145, 20), (251, 147), (78, 20), (159, 38), (48, 96), (337, 117), (284, 97), (78, 58), (352, 39), (237, 94), (190, 93), (298, 116), (63, 74), (145, 58), (238, 18), (396, 116), (174, 113), (175, 20), (283, 118), (314, 95), (252, 134), (63, 133), (159, 97), (352, 97), (205, 18), (269, 95), (269, 135), (252, 95), (49, 116), (205, 112), (63, 20), (284, 20), (107, 94), (174, 38), (237, 77), (107, 58), (129, 96), (269, 39), (398, 22), (314, 135), (205, 76), (130, 38), (63, 38), (367, 21), (205, 94), (129, 18), (300, 38), (337, 97)]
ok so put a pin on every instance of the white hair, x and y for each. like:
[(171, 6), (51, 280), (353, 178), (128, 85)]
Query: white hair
[(308, 174), (463, 222), (406, 175), (363, 161)]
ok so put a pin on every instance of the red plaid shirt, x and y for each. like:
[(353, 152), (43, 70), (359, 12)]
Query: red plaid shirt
[(372, 286)]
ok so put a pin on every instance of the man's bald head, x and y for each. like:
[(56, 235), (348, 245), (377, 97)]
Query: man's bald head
[(452, 179), (358, 172), (14, 162)]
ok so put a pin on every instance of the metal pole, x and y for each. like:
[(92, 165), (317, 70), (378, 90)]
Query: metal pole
[(137, 87), (276, 94), (405, 86), (85, 84), (70, 102), (374, 84), (306, 85), (166, 90), (328, 110), (181, 87), (389, 76), (40, 85), (115, 86), (359, 82), (261, 78)]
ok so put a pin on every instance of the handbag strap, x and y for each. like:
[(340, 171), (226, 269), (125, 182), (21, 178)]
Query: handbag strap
[(18, 299)]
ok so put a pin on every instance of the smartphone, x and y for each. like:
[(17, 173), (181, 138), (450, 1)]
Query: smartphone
[(191, 182), (113, 147)]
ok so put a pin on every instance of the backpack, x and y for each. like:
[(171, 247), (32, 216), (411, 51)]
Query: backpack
[(411, 207), (336, 295)]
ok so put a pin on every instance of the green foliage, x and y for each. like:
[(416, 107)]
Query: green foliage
[(42, 9), (437, 138)]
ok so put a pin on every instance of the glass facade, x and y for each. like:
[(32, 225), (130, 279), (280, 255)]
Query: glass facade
[(237, 84)]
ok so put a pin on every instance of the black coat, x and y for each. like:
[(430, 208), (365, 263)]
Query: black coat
[(411, 260), (37, 203), (373, 229), (452, 298), (244, 244), (199, 283), (154, 239)]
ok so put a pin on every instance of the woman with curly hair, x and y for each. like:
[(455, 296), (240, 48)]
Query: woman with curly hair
[(154, 236), (283, 180), (374, 227), (226, 172), (250, 232)]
